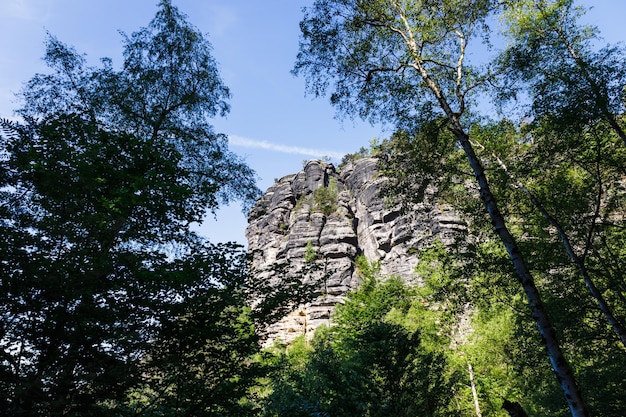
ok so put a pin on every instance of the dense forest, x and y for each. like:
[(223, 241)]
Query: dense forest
[(112, 305)]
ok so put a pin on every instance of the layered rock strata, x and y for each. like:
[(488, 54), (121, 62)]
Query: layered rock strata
[(320, 219)]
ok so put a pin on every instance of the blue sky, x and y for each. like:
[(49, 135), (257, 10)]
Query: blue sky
[(272, 124)]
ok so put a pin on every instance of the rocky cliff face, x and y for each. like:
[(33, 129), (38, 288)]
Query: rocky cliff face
[(323, 218)]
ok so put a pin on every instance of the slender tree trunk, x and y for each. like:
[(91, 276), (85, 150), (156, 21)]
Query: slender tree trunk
[(474, 393), (601, 99), (604, 307), (546, 330), (540, 314)]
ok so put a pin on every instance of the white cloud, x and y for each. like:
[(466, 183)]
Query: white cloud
[(28, 10), (275, 147)]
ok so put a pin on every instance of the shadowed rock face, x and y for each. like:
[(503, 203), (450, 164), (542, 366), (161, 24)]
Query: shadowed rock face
[(299, 224)]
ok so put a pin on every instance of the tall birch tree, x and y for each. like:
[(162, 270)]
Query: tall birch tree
[(404, 61), (565, 76)]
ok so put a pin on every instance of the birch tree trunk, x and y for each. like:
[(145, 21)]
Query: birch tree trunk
[(603, 305), (474, 393), (539, 313)]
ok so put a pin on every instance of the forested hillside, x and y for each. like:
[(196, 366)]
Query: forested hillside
[(112, 305)]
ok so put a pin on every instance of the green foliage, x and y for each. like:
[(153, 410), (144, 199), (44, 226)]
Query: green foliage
[(371, 56), (201, 362), (574, 178), (470, 309), (322, 200), (374, 299), (440, 171), (368, 271), (571, 175), (151, 98), (552, 191), (477, 313), (364, 364), (310, 254), (351, 157), (111, 304), (554, 56), (444, 277), (325, 198)]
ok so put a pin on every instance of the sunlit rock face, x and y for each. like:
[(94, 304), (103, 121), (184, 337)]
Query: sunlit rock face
[(322, 219)]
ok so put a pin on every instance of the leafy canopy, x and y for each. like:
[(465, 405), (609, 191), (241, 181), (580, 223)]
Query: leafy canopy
[(379, 59), (109, 299)]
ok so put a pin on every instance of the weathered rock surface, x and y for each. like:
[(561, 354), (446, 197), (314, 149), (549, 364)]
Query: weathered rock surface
[(298, 223)]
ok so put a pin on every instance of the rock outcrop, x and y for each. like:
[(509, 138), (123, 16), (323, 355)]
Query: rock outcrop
[(323, 218)]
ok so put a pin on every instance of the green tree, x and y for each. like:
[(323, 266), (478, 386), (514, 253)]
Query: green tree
[(102, 279), (404, 61), (573, 184), (579, 186), (577, 105), (167, 90), (203, 360), (366, 364), (562, 192), (467, 307), (554, 57), (325, 198)]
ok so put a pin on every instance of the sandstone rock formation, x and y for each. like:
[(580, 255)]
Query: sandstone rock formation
[(324, 218)]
